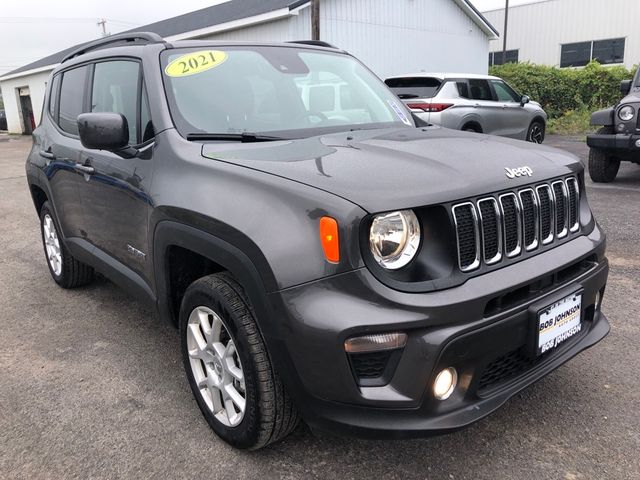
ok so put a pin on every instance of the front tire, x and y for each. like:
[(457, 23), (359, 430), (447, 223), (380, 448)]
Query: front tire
[(603, 167), (64, 268), (228, 366), (536, 132)]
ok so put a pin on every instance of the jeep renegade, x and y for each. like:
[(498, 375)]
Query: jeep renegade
[(331, 260)]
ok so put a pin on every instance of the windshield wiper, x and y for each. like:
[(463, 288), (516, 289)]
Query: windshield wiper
[(406, 96), (244, 137)]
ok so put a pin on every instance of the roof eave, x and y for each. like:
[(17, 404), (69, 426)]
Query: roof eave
[(478, 19), (11, 76), (281, 13)]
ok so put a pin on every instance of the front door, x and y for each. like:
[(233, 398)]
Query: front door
[(115, 197), (514, 121)]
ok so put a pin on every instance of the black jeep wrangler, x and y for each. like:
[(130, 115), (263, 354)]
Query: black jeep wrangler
[(619, 137), (324, 255)]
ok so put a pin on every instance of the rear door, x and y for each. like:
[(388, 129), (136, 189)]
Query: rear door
[(60, 147), (115, 195), (485, 105), (514, 121)]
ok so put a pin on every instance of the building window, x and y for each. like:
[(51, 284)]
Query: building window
[(609, 51), (581, 53), (495, 58)]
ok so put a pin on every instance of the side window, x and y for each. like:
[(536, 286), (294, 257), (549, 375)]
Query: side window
[(115, 89), (463, 89), (504, 92), (71, 99), (479, 89), (53, 97)]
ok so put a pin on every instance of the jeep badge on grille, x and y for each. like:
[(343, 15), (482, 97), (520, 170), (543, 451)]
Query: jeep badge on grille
[(518, 172)]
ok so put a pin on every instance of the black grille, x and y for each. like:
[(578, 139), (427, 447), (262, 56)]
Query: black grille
[(561, 207), (490, 229), (467, 238), (504, 368), (500, 225), (546, 206), (528, 217), (370, 365), (572, 189), (511, 230)]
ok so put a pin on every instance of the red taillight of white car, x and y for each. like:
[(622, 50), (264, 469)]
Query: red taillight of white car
[(429, 107)]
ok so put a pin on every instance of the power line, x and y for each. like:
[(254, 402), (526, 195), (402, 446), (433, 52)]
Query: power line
[(61, 20)]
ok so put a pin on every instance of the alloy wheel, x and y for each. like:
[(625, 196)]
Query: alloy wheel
[(537, 134), (52, 245), (215, 365)]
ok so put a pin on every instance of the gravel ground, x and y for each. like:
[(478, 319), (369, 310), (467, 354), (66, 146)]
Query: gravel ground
[(92, 384)]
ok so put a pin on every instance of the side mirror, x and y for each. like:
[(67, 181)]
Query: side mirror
[(106, 131), (524, 100), (625, 87)]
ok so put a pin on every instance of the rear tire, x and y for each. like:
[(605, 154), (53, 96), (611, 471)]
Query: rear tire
[(603, 167), (64, 268), (216, 318), (472, 128)]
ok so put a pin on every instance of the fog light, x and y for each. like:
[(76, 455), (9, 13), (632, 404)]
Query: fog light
[(376, 342), (445, 383), (638, 143)]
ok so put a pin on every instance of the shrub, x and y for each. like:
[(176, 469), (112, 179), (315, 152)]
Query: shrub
[(560, 91)]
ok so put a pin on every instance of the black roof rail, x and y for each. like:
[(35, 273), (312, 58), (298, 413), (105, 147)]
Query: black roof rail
[(146, 37), (317, 43)]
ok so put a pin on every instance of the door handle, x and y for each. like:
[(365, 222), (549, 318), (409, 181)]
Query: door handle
[(476, 105), (47, 154), (85, 168)]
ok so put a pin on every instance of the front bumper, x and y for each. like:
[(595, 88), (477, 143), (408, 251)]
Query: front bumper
[(455, 327), (623, 142)]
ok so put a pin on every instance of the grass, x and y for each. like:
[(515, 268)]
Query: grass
[(573, 122)]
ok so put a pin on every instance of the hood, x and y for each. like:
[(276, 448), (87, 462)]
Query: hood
[(381, 170)]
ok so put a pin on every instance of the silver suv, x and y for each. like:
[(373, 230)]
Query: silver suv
[(476, 103)]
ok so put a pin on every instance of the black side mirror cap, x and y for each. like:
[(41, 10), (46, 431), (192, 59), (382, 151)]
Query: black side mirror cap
[(105, 131), (625, 87), (524, 100)]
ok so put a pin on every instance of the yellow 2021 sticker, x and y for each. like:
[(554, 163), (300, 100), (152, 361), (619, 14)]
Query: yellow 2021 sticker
[(195, 62)]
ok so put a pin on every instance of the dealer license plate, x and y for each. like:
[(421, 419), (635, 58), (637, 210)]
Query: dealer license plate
[(559, 322)]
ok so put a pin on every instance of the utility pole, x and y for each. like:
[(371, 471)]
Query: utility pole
[(504, 33), (315, 19), (103, 23)]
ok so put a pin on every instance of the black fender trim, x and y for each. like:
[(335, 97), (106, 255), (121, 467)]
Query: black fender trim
[(603, 117), (169, 233)]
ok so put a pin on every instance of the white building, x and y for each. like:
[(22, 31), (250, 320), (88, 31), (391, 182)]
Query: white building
[(569, 33), (390, 36)]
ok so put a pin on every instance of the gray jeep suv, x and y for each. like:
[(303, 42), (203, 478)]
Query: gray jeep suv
[(619, 137), (350, 267)]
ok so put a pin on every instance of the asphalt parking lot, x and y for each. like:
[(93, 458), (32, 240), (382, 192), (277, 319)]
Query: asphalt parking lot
[(91, 384)]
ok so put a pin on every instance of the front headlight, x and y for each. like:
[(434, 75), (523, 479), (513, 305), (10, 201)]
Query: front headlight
[(394, 238), (626, 113)]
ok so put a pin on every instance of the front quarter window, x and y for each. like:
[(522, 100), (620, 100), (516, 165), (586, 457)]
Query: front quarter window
[(289, 90)]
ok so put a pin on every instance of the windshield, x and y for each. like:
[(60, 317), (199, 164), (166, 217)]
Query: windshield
[(293, 91)]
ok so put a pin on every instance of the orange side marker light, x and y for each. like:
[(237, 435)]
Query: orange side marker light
[(329, 239)]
